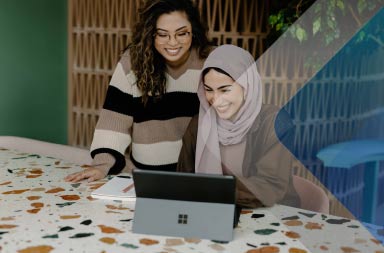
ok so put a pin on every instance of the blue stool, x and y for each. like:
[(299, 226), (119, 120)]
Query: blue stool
[(350, 153)]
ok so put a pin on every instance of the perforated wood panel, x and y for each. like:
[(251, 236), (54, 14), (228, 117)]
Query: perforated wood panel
[(98, 30), (242, 23)]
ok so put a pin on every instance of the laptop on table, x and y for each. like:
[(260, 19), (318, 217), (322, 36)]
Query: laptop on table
[(184, 204)]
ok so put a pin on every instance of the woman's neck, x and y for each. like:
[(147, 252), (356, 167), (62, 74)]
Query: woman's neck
[(179, 63), (191, 62)]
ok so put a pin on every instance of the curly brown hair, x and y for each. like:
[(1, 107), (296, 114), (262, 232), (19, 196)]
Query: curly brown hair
[(147, 64)]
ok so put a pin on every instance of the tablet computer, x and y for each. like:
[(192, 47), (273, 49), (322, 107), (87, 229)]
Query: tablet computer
[(184, 204)]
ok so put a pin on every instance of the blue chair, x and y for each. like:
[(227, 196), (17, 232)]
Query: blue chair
[(350, 153)]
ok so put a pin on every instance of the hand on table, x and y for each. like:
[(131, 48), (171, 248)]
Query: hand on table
[(92, 174)]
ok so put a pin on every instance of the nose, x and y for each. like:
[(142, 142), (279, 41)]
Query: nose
[(215, 97), (172, 40)]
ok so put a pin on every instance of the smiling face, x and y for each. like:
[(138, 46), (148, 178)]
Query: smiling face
[(223, 93), (173, 37)]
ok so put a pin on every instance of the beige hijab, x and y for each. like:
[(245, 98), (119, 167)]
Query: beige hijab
[(212, 130)]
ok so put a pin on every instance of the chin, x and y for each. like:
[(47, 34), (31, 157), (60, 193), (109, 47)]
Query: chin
[(173, 58), (176, 59), (170, 58), (227, 116), (224, 116)]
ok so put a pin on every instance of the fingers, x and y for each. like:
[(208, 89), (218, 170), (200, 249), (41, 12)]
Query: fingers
[(91, 179), (69, 178), (91, 174), (78, 176), (96, 175)]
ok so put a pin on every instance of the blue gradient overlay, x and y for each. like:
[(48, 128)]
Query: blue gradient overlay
[(339, 120)]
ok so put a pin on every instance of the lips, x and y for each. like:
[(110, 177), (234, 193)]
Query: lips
[(222, 108), (172, 51)]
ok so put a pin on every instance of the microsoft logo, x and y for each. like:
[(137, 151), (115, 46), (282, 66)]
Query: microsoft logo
[(183, 219)]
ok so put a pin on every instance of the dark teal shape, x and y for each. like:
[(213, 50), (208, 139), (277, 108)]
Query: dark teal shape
[(65, 229), (266, 231), (81, 235), (86, 222), (129, 246), (55, 236), (65, 204)]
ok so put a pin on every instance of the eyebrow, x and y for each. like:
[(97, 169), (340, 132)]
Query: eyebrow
[(221, 87), (178, 29)]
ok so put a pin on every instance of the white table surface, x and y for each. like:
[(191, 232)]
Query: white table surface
[(40, 212)]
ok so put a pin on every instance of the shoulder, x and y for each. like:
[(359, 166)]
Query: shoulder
[(123, 77), (266, 115), (125, 61), (273, 117)]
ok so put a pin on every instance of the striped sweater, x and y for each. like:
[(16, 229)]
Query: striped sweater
[(153, 132)]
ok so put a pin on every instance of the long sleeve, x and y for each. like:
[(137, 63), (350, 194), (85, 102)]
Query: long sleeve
[(267, 168), (113, 130)]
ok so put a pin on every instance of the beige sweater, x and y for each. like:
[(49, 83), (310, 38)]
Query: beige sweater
[(130, 134)]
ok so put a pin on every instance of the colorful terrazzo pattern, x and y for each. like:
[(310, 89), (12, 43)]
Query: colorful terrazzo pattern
[(327, 233), (39, 212)]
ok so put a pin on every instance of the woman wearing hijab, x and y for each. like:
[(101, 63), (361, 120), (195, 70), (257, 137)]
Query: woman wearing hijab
[(235, 134)]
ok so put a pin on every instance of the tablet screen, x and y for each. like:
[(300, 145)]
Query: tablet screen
[(184, 186)]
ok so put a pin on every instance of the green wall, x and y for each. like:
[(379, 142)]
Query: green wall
[(33, 69)]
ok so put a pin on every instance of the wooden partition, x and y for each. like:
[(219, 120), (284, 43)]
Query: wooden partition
[(97, 30)]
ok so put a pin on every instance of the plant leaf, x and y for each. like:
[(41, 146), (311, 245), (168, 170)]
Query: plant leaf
[(361, 5), (279, 26), (316, 25), (340, 4), (272, 20), (301, 34)]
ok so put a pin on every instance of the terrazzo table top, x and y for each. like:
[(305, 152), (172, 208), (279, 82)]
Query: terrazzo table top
[(39, 212)]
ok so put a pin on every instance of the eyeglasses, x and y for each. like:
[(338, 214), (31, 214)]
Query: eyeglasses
[(181, 37)]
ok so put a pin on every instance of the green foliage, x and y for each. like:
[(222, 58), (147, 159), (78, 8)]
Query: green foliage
[(325, 27)]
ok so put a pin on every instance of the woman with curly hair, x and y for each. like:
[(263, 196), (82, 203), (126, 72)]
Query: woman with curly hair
[(152, 93)]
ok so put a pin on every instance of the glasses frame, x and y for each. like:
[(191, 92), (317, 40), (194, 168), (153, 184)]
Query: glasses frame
[(166, 40)]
